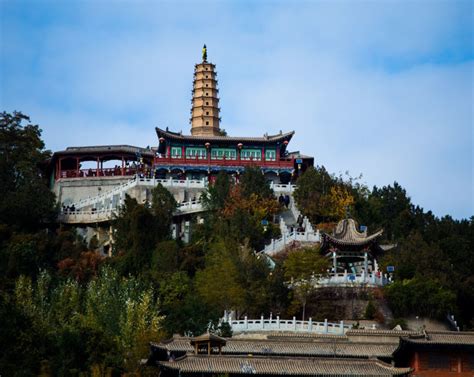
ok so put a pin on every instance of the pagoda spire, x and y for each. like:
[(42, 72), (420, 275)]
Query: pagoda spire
[(205, 102)]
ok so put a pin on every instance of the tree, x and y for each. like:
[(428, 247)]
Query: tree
[(393, 211), (323, 197), (138, 229), (420, 296), (300, 267), (218, 283), (242, 216), (216, 194), (27, 204), (303, 263), (163, 207), (252, 182), (20, 341)]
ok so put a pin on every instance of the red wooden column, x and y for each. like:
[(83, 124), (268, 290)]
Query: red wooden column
[(97, 171), (239, 149), (183, 149), (208, 149), (59, 168), (263, 154), (416, 362), (77, 166), (123, 165)]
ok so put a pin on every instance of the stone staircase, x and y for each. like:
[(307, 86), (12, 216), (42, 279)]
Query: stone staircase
[(289, 231), (105, 206)]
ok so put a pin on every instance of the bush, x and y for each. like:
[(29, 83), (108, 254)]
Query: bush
[(370, 310)]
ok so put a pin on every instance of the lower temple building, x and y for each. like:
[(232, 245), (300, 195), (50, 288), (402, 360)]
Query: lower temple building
[(356, 353)]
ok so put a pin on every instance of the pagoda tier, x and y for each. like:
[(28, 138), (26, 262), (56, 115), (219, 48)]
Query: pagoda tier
[(205, 110)]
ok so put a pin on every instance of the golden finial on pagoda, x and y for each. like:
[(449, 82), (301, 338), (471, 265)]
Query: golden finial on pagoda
[(204, 53)]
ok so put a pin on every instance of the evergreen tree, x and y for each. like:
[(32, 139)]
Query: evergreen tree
[(27, 203)]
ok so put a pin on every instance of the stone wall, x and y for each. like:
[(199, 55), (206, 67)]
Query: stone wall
[(342, 303)]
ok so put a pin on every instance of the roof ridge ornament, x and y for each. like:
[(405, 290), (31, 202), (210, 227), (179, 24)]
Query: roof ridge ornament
[(204, 53)]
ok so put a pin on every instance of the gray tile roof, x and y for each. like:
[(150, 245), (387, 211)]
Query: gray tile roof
[(289, 347), (226, 139), (346, 233), (283, 366), (101, 149), (442, 337)]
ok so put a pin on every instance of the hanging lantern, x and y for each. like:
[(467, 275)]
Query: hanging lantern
[(285, 142), (207, 145), (240, 145), (161, 139)]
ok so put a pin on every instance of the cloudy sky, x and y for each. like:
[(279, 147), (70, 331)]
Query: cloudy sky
[(382, 88)]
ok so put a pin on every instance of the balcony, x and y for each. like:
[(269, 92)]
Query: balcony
[(215, 161)]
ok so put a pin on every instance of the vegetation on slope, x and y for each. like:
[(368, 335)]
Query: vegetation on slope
[(65, 310)]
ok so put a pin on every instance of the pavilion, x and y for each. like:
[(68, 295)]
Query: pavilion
[(354, 255)]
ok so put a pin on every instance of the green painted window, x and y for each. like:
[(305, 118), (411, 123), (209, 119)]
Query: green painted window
[(270, 155), (176, 152), (196, 152), (251, 154), (221, 153)]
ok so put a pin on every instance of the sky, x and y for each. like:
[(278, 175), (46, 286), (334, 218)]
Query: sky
[(378, 88)]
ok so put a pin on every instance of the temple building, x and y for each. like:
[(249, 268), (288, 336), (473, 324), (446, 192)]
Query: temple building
[(208, 150), (354, 255), (284, 353), (437, 354), (201, 154)]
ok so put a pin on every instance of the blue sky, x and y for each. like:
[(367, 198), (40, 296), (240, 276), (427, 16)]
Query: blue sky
[(382, 88)]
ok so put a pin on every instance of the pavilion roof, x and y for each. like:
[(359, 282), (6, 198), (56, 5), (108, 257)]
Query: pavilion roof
[(267, 139), (207, 337), (104, 149), (346, 234), (283, 366)]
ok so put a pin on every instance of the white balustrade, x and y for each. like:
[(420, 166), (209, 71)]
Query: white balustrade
[(85, 217), (100, 207), (282, 188), (345, 279), (292, 325), (277, 245)]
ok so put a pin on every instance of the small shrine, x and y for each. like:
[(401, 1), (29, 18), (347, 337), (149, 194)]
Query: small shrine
[(205, 343), (354, 255)]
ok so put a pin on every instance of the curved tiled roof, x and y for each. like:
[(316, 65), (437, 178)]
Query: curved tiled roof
[(208, 338), (283, 366), (101, 149), (442, 337), (376, 332), (288, 347), (346, 233), (224, 139)]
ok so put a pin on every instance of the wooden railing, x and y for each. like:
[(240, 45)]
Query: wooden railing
[(222, 161), (106, 172)]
